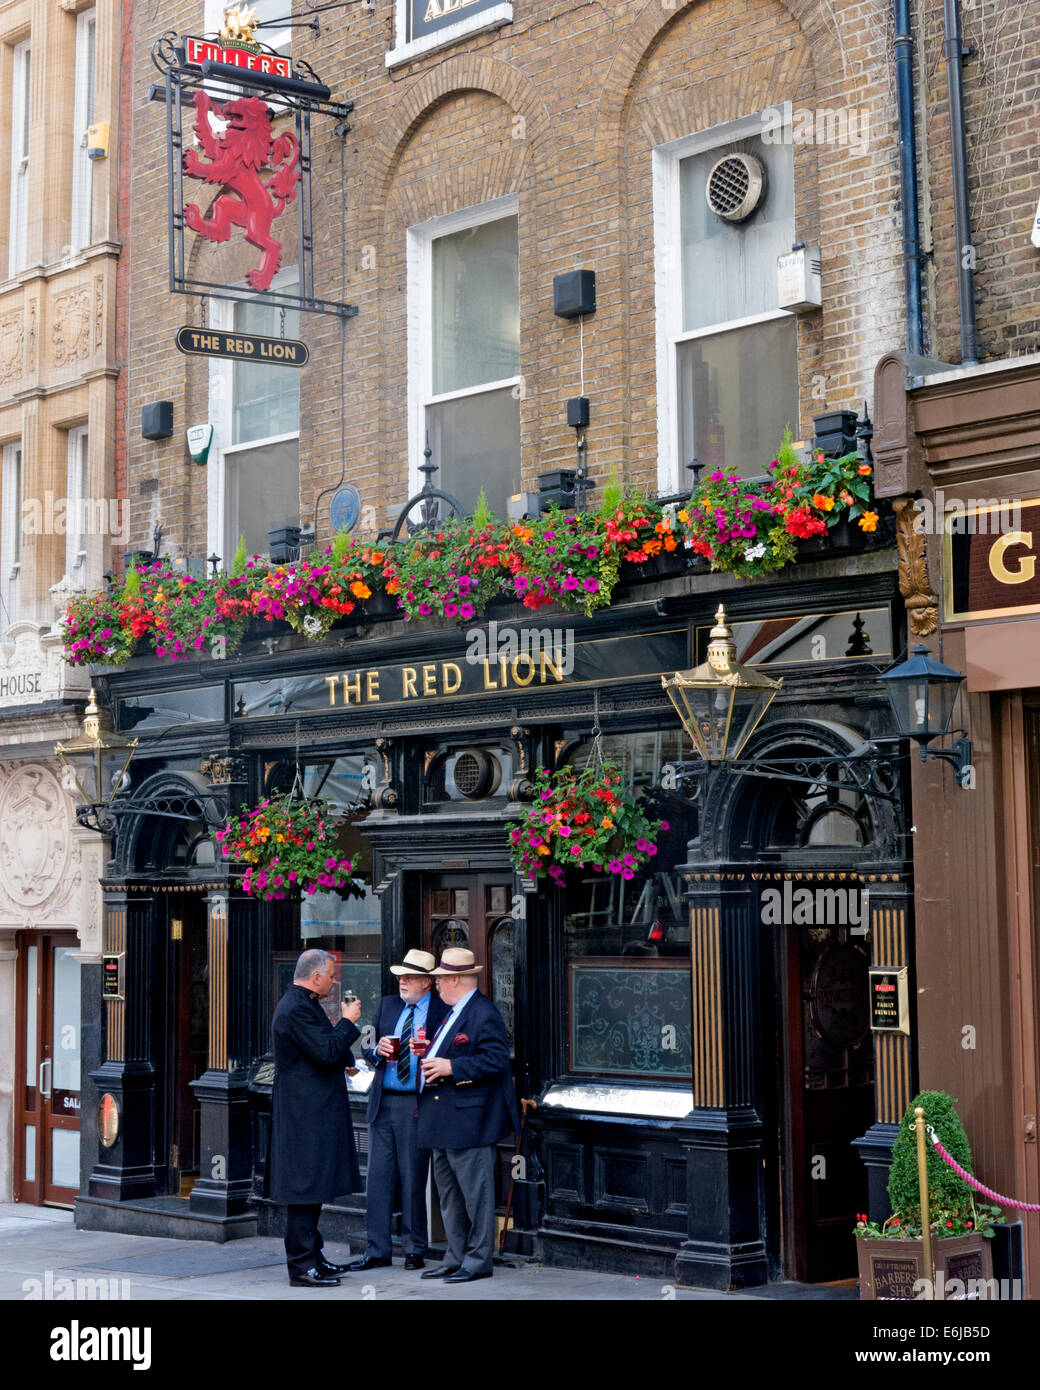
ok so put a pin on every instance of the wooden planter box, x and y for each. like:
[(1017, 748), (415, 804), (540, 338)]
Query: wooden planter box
[(890, 1268)]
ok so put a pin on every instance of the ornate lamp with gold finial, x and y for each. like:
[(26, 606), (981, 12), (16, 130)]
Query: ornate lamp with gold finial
[(721, 702)]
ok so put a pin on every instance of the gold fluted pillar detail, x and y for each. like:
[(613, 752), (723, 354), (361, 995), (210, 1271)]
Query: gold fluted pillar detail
[(706, 968), (218, 981), (892, 1077), (115, 1009)]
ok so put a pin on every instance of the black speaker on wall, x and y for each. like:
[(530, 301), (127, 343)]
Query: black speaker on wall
[(157, 420)]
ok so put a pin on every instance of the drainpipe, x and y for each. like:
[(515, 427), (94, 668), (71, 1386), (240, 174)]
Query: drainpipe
[(954, 46), (904, 51)]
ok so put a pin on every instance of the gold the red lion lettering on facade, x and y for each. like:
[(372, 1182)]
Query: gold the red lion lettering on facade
[(236, 157)]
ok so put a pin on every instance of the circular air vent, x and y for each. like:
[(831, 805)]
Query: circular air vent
[(474, 773), (735, 186)]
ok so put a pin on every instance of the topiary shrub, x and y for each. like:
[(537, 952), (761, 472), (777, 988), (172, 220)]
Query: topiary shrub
[(947, 1193)]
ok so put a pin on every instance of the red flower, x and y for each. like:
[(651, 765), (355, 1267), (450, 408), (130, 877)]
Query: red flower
[(801, 523)]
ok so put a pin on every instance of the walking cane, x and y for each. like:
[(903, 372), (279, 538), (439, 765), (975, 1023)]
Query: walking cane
[(525, 1105)]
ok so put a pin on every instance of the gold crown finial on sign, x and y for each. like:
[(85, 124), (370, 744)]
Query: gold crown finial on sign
[(239, 23)]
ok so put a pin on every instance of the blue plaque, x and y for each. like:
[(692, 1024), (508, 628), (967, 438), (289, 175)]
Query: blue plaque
[(345, 508)]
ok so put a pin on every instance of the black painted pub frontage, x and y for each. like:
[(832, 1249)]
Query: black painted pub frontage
[(712, 1106)]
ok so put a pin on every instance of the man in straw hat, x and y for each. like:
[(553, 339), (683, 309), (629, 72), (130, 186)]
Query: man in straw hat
[(467, 1103), (394, 1155)]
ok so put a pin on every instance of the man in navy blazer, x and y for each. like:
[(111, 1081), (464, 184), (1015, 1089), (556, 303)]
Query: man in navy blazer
[(394, 1155), (467, 1103)]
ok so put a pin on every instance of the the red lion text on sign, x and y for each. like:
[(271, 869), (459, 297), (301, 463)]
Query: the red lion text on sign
[(236, 157)]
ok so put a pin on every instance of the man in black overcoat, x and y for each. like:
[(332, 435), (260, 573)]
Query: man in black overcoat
[(312, 1157), (467, 1103), (394, 1156)]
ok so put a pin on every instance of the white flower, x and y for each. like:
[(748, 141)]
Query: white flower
[(755, 552), (312, 625)]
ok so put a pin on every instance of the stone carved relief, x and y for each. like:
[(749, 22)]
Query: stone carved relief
[(99, 311), (31, 364), (12, 337), (35, 845), (72, 318), (922, 603)]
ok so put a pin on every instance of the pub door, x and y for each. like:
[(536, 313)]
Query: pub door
[(473, 910), (47, 1074), (184, 1042), (827, 1096)]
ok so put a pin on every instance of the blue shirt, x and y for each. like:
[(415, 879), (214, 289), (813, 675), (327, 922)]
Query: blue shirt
[(391, 1080)]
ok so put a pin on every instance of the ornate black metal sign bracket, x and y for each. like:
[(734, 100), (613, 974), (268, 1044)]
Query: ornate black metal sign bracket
[(256, 80)]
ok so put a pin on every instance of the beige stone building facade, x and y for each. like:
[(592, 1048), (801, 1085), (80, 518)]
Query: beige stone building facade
[(59, 72)]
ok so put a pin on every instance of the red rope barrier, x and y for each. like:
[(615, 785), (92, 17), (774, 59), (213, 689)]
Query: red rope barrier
[(951, 1162)]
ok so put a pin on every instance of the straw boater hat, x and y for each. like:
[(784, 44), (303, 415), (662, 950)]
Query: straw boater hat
[(456, 960), (415, 963)]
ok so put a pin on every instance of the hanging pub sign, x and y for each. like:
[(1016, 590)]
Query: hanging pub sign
[(241, 347), (238, 121), (889, 1001)]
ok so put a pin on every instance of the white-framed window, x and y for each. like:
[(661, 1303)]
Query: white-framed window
[(77, 493), (727, 356), (19, 214), (265, 11), (254, 482), (422, 25), (464, 352), (83, 118), (11, 489)]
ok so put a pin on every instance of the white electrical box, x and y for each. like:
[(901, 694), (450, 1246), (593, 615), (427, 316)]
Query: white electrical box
[(798, 279)]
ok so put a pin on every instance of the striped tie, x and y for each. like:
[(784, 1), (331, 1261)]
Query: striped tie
[(404, 1062)]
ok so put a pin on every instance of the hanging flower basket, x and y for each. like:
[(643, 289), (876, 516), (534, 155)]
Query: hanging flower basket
[(288, 844), (583, 819)]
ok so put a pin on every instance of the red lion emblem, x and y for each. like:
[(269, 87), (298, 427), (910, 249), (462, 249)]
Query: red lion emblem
[(235, 160)]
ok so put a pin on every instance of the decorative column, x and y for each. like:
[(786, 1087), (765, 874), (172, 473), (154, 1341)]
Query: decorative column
[(225, 1148), (725, 1245), (890, 895), (126, 1081)]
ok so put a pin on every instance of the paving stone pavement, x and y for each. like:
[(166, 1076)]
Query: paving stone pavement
[(40, 1247)]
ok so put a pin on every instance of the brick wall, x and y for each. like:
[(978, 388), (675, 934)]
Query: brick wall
[(562, 108)]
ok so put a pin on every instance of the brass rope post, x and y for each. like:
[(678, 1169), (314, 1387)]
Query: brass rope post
[(922, 1185)]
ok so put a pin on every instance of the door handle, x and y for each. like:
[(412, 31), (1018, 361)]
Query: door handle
[(45, 1093)]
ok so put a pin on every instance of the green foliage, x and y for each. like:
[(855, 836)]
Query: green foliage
[(482, 514), (132, 583), (341, 544), (946, 1191), (238, 563), (613, 496), (787, 456)]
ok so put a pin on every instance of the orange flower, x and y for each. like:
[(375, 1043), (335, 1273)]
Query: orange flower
[(868, 521), (360, 590), (864, 470), (822, 502)]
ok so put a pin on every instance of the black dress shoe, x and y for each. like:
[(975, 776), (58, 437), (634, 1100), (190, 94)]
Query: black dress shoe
[(465, 1276), (313, 1279), (441, 1272), (370, 1262), (326, 1267), (414, 1262)]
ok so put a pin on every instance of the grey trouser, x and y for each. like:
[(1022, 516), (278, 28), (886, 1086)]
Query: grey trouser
[(466, 1188), (395, 1157)]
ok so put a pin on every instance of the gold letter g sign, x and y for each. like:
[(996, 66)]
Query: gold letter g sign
[(1027, 565)]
